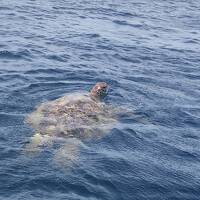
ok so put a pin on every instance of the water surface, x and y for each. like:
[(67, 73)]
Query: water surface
[(148, 51)]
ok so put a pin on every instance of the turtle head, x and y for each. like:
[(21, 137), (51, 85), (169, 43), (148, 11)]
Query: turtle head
[(99, 91)]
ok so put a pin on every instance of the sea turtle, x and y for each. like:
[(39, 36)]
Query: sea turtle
[(74, 117)]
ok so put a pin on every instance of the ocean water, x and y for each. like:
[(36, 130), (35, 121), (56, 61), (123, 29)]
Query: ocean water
[(148, 52)]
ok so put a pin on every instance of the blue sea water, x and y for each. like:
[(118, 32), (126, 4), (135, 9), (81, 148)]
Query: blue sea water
[(148, 52)]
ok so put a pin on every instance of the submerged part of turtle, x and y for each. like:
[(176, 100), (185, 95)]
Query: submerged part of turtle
[(78, 115)]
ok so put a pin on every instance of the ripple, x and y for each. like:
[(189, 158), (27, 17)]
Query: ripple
[(60, 58), (10, 119), (178, 153), (5, 8), (125, 23), (25, 54), (126, 58), (46, 71)]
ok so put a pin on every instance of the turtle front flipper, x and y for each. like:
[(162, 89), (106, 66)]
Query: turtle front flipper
[(68, 154), (128, 115), (36, 142)]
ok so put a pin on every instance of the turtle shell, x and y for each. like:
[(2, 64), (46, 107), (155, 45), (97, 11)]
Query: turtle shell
[(75, 115)]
